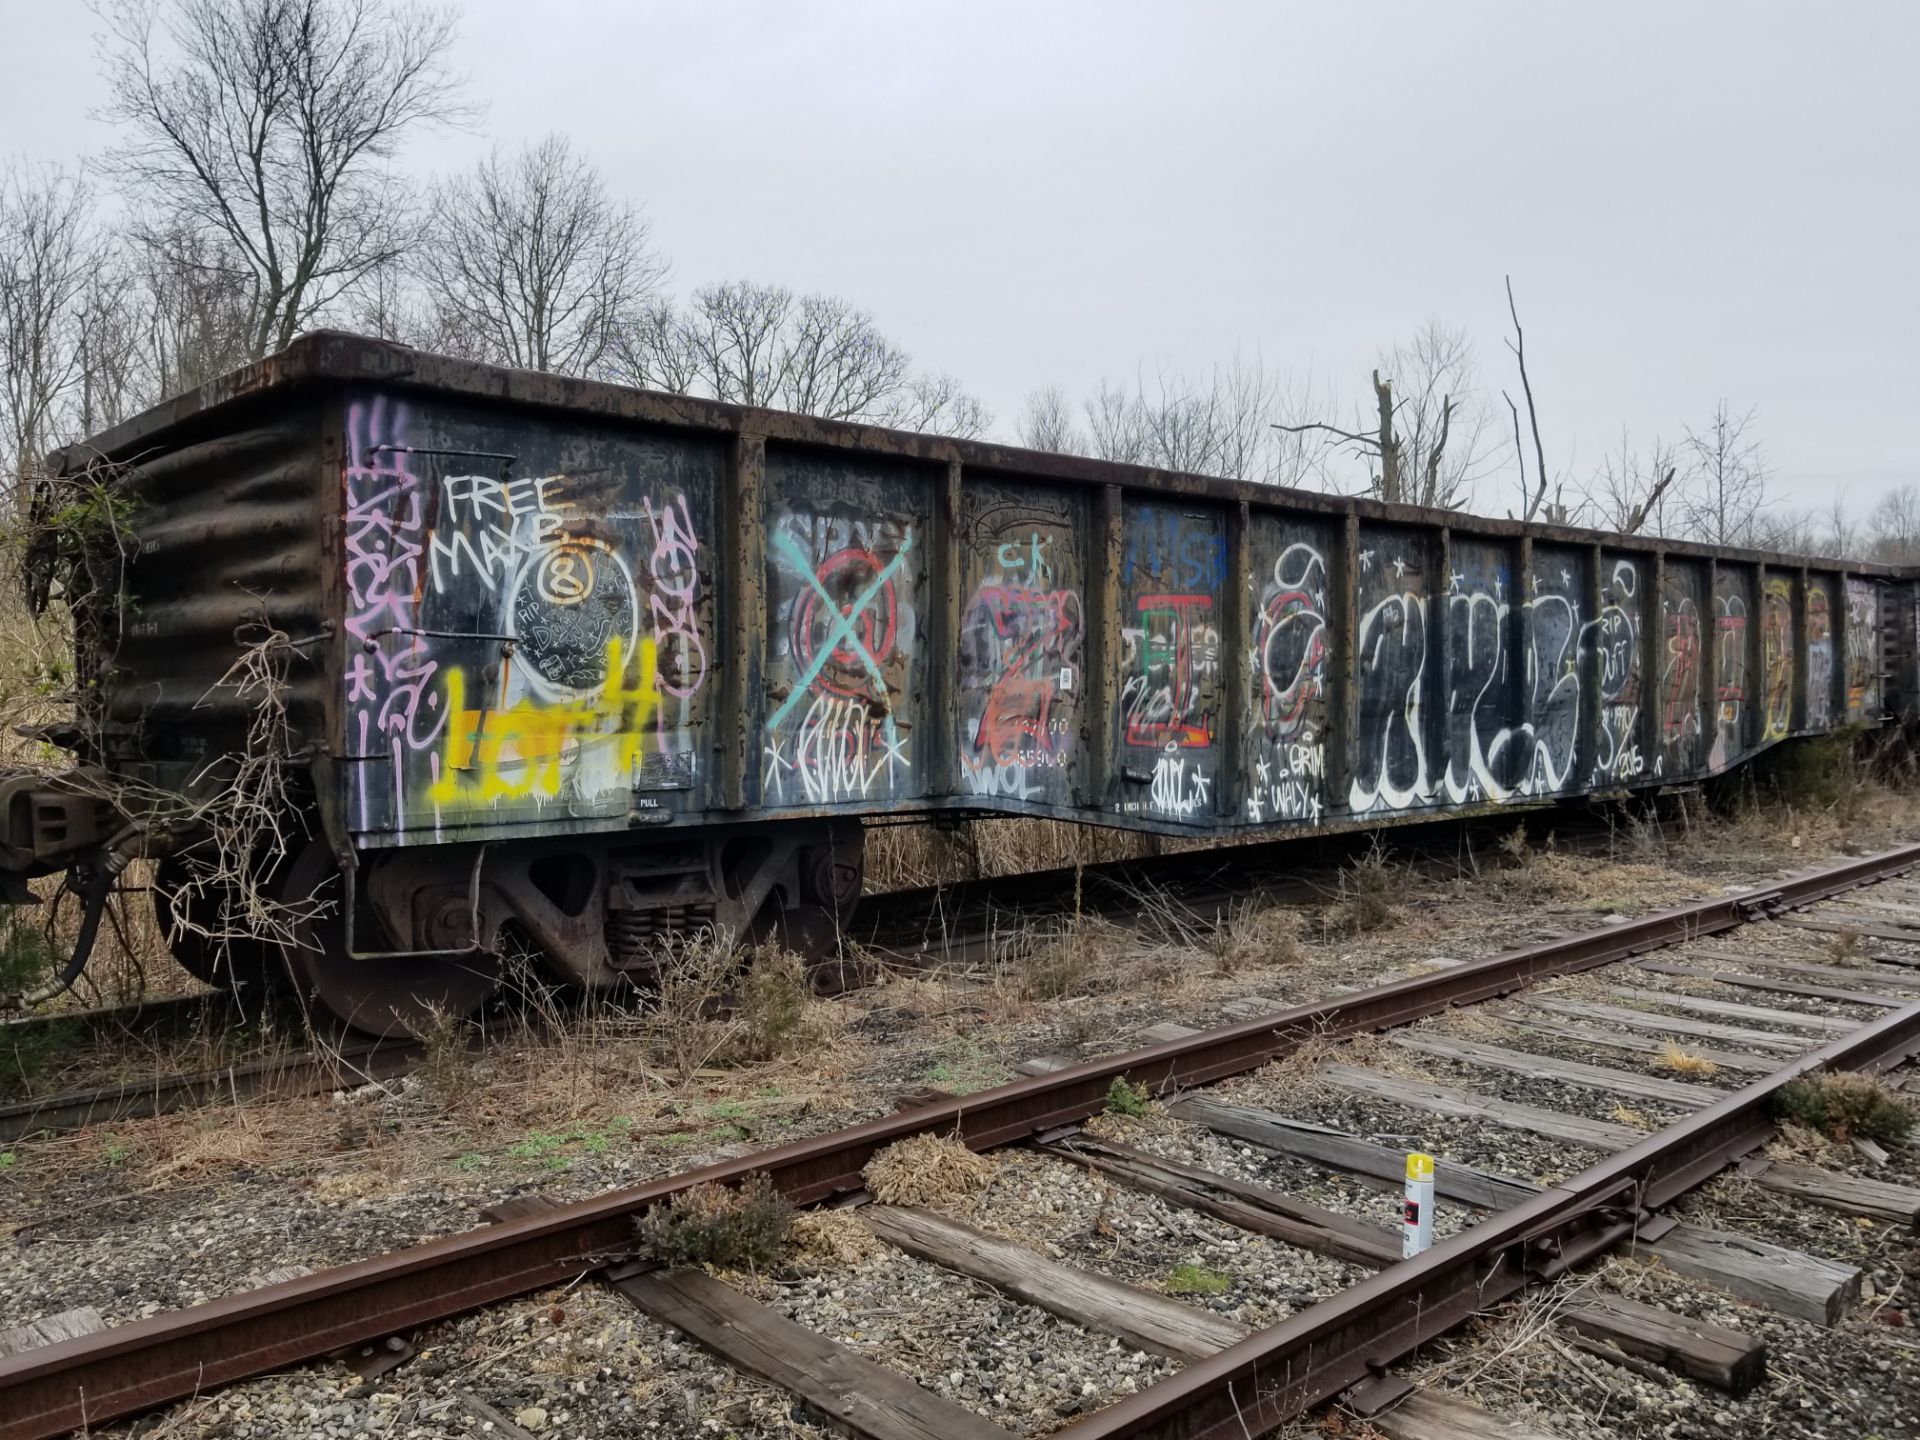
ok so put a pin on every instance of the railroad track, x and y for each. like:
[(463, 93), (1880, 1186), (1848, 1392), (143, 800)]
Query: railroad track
[(950, 925), (1799, 1017)]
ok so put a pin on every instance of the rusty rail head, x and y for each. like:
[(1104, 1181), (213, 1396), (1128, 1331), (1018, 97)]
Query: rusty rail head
[(133, 1367), (1277, 1373)]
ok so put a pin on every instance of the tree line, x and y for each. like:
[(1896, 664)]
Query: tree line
[(254, 191)]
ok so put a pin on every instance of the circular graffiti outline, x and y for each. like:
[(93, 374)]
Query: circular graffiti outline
[(805, 631), (564, 661)]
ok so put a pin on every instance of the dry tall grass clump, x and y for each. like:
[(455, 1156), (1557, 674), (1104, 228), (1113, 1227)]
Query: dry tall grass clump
[(926, 1170), (832, 1237), (1684, 1062)]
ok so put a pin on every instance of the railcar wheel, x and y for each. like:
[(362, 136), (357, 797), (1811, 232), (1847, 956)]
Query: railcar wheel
[(832, 875), (392, 997), (191, 915)]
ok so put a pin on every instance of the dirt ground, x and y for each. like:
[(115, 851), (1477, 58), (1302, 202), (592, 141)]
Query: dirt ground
[(150, 1214)]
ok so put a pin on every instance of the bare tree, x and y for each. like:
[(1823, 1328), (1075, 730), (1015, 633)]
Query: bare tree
[(1894, 525), (1047, 422), (261, 128), (48, 253), (1632, 491), (1426, 437), (1727, 489), (531, 263), (1213, 424), (753, 344)]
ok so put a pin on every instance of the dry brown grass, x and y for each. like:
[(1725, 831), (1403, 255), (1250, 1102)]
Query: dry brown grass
[(1683, 1062), (832, 1237), (927, 1170)]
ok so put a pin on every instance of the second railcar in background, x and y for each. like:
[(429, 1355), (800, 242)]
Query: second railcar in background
[(581, 667)]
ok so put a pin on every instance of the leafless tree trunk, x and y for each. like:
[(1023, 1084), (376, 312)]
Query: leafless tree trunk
[(530, 263), (1519, 347), (260, 126), (1428, 433), (1633, 491)]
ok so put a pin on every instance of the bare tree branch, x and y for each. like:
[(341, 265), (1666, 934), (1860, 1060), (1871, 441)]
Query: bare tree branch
[(1519, 347), (260, 127)]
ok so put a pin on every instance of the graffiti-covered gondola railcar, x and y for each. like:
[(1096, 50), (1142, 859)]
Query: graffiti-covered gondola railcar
[(567, 667)]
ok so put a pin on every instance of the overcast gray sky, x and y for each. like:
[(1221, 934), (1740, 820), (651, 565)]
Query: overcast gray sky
[(1694, 201)]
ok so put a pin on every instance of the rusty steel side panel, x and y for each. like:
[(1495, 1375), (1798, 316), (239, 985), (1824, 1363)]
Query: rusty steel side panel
[(848, 602), (225, 594), (1562, 640), (1173, 583), (1823, 672), (559, 607), (1863, 650), (529, 620), (1682, 742), (1022, 645), (1733, 683), (1294, 669), (1778, 603)]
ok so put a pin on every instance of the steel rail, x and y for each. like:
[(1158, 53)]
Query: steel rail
[(1282, 1371), (136, 1366)]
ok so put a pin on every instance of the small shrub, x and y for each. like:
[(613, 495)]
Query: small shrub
[(1366, 891), (445, 1062), (1197, 1280), (1126, 1098), (774, 1000), (1842, 1104), (731, 1229), (1683, 1062)]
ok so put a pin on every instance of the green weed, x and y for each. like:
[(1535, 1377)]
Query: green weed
[(1197, 1280), (1126, 1098)]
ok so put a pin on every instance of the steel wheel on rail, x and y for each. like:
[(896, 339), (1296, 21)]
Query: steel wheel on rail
[(399, 995), (198, 922)]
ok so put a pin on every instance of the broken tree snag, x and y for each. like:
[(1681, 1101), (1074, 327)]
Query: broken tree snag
[(1571, 1072), (1601, 1135), (1639, 1044), (1302, 1140), (1763, 1014), (1788, 1281), (1424, 1415), (855, 1395), (1253, 1208), (1849, 1194), (1696, 1349), (1671, 1025), (1152, 1322)]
